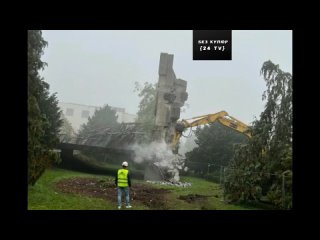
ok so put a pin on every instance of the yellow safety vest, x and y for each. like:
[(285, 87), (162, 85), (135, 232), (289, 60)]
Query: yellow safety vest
[(123, 178)]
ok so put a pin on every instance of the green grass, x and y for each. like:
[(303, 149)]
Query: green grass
[(43, 196), (200, 187)]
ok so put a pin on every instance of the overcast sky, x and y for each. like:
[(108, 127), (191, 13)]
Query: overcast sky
[(100, 67)]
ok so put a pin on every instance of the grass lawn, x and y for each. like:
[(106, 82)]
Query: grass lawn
[(214, 201), (43, 196)]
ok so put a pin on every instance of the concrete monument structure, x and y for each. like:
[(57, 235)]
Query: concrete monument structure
[(171, 96)]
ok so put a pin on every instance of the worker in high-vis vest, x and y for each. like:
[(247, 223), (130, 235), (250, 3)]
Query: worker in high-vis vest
[(123, 182)]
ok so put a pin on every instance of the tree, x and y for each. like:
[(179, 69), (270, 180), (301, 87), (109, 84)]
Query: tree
[(103, 118), (93, 132), (147, 107), (67, 133), (261, 163), (215, 146), (43, 112), (48, 105)]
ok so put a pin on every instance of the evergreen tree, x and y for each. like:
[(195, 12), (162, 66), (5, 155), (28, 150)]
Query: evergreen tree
[(97, 131), (103, 118), (215, 146), (66, 133), (43, 112)]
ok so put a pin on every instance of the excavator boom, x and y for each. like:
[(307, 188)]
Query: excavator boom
[(222, 117)]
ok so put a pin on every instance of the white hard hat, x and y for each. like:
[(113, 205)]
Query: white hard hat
[(125, 164)]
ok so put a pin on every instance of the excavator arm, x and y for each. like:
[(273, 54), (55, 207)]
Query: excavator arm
[(221, 117)]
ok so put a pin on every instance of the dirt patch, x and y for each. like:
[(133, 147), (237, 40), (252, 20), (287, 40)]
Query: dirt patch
[(190, 198), (154, 198)]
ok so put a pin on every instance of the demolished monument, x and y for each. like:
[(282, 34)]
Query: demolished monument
[(131, 137), (170, 97)]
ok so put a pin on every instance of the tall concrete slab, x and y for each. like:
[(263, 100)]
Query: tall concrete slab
[(171, 96)]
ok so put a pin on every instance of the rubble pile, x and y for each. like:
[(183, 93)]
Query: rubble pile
[(171, 183)]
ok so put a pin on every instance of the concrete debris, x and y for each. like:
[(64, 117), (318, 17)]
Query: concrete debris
[(175, 184)]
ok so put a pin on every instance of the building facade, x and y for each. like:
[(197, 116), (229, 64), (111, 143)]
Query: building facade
[(78, 114)]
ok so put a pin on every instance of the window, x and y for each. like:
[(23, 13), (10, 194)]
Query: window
[(85, 114), (69, 112)]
